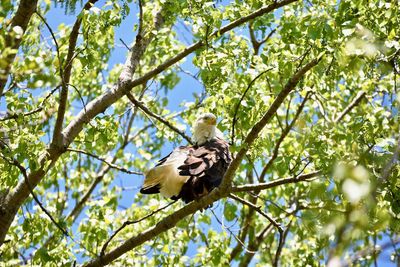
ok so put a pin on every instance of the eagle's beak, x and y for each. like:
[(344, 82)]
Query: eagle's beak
[(212, 121)]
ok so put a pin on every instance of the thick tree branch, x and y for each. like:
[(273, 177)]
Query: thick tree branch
[(65, 74), (17, 196), (21, 19)]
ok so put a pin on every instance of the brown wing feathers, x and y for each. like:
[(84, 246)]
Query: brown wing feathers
[(201, 169), (206, 166)]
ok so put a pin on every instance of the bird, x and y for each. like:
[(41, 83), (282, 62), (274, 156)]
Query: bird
[(193, 171)]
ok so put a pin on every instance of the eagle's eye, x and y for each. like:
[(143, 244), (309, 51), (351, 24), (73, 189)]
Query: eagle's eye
[(209, 119)]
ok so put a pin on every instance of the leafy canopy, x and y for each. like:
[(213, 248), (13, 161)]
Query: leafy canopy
[(340, 120)]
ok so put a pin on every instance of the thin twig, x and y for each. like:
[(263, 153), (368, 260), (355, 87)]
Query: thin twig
[(157, 117), (126, 223), (57, 140), (55, 42), (237, 238), (122, 169), (127, 47), (257, 209), (234, 120), (271, 184)]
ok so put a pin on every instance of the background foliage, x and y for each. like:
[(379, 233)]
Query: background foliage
[(341, 120)]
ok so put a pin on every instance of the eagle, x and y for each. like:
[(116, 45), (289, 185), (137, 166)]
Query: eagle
[(191, 172)]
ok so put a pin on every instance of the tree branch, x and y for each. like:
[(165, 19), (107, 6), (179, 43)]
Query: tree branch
[(21, 19), (282, 239), (126, 223), (157, 117), (353, 103), (263, 186), (257, 209), (282, 137), (122, 169), (247, 249), (60, 63), (65, 75), (255, 131), (35, 198), (234, 120), (18, 195)]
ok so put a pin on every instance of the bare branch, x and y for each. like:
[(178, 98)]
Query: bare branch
[(257, 209), (127, 46), (157, 117), (248, 250), (122, 169), (60, 62), (263, 186), (353, 103)]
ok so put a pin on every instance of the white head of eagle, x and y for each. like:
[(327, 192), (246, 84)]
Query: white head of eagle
[(190, 172)]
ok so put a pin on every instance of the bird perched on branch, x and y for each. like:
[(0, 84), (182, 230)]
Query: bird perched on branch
[(190, 172)]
